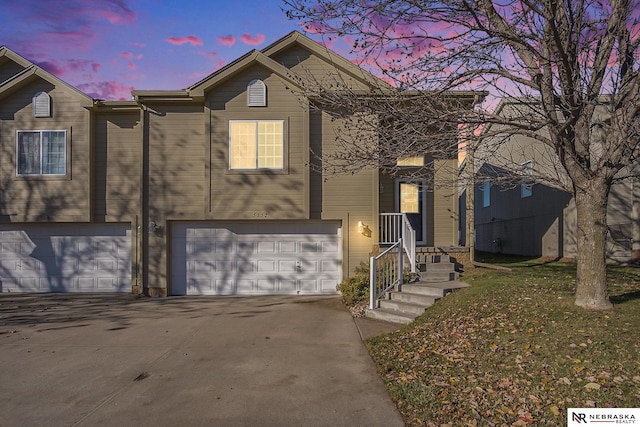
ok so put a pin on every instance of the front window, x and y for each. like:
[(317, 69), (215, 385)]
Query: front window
[(256, 144), (42, 152)]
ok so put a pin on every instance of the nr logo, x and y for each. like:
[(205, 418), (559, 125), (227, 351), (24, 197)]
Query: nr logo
[(579, 418)]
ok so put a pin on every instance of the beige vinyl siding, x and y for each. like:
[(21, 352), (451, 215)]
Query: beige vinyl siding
[(445, 203), (64, 198), (117, 166), (176, 154), (349, 198), (313, 68), (258, 194)]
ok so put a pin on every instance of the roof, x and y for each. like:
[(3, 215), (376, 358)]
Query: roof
[(31, 71)]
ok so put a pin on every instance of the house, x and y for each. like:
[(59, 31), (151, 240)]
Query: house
[(205, 190), (538, 218)]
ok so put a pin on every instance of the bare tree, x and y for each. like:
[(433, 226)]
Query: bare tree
[(577, 59)]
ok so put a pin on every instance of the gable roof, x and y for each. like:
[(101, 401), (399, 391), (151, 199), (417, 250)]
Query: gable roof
[(31, 71), (252, 58), (327, 55)]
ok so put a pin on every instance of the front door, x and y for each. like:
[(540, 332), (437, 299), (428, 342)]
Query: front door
[(411, 200)]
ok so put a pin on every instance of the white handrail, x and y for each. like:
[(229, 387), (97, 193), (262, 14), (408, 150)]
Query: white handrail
[(385, 273), (395, 227)]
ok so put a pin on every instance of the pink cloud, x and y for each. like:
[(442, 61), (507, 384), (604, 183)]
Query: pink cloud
[(208, 54), (250, 40), (131, 66), (140, 56), (107, 90), (114, 11), (69, 66), (126, 55), (192, 40), (227, 40), (51, 68), (138, 44)]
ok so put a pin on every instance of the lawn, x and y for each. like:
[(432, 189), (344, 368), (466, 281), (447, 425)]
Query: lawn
[(512, 349)]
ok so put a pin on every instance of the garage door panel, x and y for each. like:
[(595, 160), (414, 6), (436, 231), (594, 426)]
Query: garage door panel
[(65, 258), (257, 258)]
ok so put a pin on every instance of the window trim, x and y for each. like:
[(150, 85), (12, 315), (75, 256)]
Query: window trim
[(41, 174), (283, 168)]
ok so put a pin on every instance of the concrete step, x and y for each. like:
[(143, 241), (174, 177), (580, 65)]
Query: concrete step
[(432, 259), (412, 299), (442, 266), (438, 276), (403, 307), (390, 316), (421, 299), (433, 289)]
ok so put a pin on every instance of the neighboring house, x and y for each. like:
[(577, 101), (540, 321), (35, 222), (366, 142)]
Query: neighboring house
[(539, 219), (206, 190)]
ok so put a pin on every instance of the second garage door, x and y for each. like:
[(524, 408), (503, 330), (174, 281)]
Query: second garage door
[(255, 258), (65, 257)]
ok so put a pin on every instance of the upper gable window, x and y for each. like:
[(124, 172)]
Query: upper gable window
[(41, 152), (256, 144), (256, 94), (41, 105)]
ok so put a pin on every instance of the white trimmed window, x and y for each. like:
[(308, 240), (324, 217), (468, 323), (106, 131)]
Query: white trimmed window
[(41, 152), (486, 193), (256, 94), (256, 144), (526, 185)]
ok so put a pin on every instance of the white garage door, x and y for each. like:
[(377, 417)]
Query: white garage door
[(250, 259), (65, 258)]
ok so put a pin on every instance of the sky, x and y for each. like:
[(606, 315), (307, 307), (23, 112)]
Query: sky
[(107, 48)]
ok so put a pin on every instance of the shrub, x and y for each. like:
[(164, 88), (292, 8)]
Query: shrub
[(355, 289)]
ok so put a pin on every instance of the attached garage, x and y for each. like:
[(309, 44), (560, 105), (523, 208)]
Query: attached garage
[(65, 257), (242, 258)]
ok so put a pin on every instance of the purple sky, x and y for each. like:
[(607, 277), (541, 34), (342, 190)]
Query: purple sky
[(106, 48)]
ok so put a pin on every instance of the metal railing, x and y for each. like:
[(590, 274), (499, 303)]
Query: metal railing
[(395, 227), (386, 272)]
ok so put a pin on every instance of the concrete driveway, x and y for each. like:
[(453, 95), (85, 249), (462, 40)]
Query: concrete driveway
[(115, 360)]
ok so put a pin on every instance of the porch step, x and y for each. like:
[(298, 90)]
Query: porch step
[(432, 259), (409, 308), (412, 299), (423, 299), (391, 316), (441, 266), (439, 276)]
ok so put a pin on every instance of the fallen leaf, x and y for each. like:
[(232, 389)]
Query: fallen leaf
[(555, 410), (592, 386)]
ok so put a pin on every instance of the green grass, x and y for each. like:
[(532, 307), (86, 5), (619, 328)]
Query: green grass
[(513, 349)]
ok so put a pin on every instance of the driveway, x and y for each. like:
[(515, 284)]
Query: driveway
[(90, 360)]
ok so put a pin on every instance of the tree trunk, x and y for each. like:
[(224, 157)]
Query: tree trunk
[(591, 209)]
